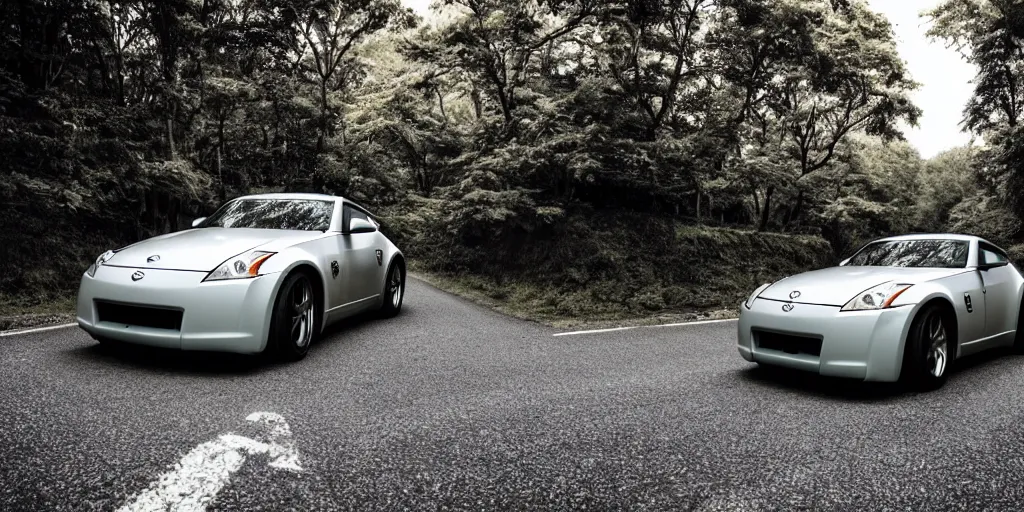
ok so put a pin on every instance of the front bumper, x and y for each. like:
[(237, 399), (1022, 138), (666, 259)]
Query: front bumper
[(223, 316), (864, 345)]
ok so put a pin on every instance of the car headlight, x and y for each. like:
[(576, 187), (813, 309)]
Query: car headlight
[(750, 300), (99, 261), (879, 297), (243, 266)]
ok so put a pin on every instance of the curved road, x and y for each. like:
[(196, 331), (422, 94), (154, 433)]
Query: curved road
[(451, 406)]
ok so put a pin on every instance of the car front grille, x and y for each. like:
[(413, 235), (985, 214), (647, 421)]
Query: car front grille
[(788, 343), (141, 316)]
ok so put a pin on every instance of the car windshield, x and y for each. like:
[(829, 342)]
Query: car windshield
[(294, 214), (913, 253)]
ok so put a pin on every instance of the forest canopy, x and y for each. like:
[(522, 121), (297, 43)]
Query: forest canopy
[(491, 123)]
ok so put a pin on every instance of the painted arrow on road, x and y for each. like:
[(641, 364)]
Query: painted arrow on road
[(193, 483)]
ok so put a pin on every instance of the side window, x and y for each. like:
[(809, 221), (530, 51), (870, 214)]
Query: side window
[(989, 256), (352, 213), (356, 214)]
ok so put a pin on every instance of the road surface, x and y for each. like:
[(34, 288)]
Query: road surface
[(453, 407)]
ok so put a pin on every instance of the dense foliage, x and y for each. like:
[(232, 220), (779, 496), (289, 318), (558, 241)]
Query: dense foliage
[(492, 126), (990, 35)]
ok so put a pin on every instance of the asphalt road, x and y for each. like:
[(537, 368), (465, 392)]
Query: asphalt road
[(451, 406)]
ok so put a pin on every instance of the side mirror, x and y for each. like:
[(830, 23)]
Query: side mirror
[(361, 226), (198, 221), (989, 266)]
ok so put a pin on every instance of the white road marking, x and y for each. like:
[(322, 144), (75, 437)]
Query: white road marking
[(193, 483), (282, 446), (594, 331), (681, 324), (37, 329), (700, 322)]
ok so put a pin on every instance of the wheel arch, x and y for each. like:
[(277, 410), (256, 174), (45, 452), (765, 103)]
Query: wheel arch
[(319, 285), (933, 297), (397, 258), (1020, 305), (949, 312), (316, 278)]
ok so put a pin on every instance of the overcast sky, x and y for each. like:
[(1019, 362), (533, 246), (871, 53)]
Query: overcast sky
[(943, 75)]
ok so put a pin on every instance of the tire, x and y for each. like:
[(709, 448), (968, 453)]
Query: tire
[(1018, 341), (394, 291), (928, 353), (296, 319)]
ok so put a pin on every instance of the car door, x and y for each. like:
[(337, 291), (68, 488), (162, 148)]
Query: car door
[(970, 308), (1000, 290), (360, 262)]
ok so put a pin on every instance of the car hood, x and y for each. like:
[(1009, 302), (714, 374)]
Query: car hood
[(204, 249), (835, 286)]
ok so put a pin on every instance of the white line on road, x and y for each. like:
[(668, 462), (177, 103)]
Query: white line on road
[(594, 331), (699, 322), (37, 329), (193, 483), (681, 324)]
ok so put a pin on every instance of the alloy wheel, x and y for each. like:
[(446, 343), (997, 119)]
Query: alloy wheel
[(937, 347), (301, 300), (395, 287)]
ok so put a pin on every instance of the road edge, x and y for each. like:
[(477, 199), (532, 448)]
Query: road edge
[(654, 320), (30, 330)]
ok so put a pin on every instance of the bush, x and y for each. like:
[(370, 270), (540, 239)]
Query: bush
[(600, 264), (1016, 254), (983, 215)]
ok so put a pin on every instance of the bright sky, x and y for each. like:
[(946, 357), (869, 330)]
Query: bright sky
[(420, 6), (943, 75)]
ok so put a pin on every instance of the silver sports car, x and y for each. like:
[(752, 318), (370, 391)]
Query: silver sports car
[(264, 273), (901, 308)]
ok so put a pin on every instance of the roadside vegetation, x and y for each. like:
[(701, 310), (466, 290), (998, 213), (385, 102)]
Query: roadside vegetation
[(567, 161)]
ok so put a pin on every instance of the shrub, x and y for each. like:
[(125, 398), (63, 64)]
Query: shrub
[(604, 264)]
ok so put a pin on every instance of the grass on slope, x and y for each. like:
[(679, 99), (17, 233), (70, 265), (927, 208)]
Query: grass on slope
[(22, 314), (616, 269)]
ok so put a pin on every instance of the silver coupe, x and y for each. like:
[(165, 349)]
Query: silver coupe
[(900, 309), (262, 274)]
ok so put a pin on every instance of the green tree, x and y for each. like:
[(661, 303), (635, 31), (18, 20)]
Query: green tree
[(990, 35), (832, 71), (947, 179), (328, 31)]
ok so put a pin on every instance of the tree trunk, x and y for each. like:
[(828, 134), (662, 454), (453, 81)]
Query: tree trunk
[(173, 209), (220, 176), (478, 102), (220, 153), (119, 65), (440, 104), (323, 117), (170, 136), (795, 212), (766, 212)]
